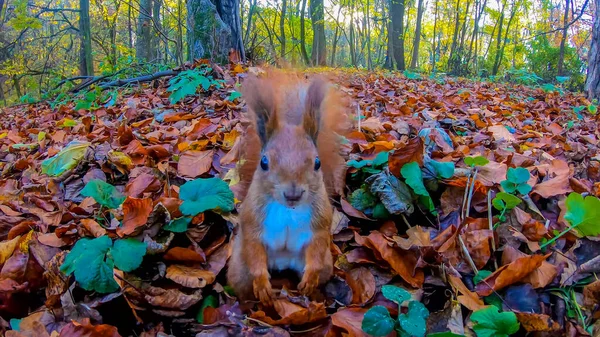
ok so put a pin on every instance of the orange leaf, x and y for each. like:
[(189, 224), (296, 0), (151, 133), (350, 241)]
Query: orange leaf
[(135, 214), (193, 164), (413, 151), (350, 319), (468, 298), (86, 329), (510, 274)]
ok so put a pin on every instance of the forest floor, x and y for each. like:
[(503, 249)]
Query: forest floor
[(490, 268)]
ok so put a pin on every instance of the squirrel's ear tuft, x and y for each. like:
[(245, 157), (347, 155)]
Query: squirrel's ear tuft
[(260, 98), (314, 98)]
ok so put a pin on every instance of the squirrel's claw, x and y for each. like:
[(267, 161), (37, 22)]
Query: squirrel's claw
[(263, 291), (308, 284)]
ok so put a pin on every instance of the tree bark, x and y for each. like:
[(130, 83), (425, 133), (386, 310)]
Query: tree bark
[(317, 16), (129, 25), (249, 22), (282, 28), (143, 32), (397, 33), (563, 39), (214, 30), (415, 55), (592, 83), (433, 47), (303, 34), (86, 64), (368, 18), (158, 27)]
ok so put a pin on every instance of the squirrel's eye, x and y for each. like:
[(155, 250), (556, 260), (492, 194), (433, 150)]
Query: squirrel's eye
[(317, 163), (264, 163)]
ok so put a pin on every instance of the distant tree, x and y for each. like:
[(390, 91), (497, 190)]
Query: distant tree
[(592, 84), (214, 29), (396, 34), (417, 39), (86, 64), (319, 49), (144, 30)]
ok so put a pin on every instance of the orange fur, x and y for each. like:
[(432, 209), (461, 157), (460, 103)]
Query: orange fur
[(293, 122)]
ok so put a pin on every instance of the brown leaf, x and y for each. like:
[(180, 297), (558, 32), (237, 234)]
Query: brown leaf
[(536, 322), (510, 274), (190, 277), (362, 283), (184, 255), (350, 320), (492, 173), (417, 237), (559, 184), (58, 283), (93, 227), (144, 182), (402, 262), (351, 211), (193, 164), (86, 329), (135, 215), (172, 298), (538, 278), (467, 298), (7, 248), (412, 151), (292, 314)]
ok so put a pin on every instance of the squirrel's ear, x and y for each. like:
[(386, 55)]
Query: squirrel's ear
[(314, 98), (259, 96)]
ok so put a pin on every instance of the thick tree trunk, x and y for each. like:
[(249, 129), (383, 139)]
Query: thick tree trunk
[(86, 65), (397, 32), (143, 32), (303, 34), (214, 29), (282, 28), (317, 16), (563, 39), (417, 40), (592, 83)]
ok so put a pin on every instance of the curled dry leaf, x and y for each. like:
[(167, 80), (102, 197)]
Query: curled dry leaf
[(86, 329), (536, 322), (93, 227), (171, 298), (510, 274), (350, 321), (135, 214), (362, 283), (467, 298), (190, 277), (293, 314)]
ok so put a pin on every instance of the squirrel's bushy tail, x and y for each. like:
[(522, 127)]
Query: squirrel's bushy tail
[(288, 93)]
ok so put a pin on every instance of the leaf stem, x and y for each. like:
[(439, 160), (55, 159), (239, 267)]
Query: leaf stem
[(471, 192), (491, 225), (551, 241), (464, 203)]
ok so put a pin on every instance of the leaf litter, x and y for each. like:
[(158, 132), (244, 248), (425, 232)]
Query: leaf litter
[(469, 208)]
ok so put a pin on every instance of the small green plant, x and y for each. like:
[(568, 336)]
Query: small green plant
[(87, 100), (516, 181), (104, 193), (378, 322), (490, 322), (187, 82), (93, 260), (505, 202), (474, 163), (583, 214), (371, 166), (412, 75), (414, 178), (27, 99), (201, 195)]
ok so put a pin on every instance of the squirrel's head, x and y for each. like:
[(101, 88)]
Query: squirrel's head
[(289, 168)]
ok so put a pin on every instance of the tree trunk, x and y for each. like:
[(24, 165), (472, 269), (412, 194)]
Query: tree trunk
[(335, 38), (592, 83), (417, 40), (179, 51), (303, 34), (129, 25), (158, 27), (317, 16), (452, 59), (563, 39), (143, 32), (86, 63), (282, 28), (498, 41), (369, 60), (434, 50), (249, 22), (214, 29), (397, 33)]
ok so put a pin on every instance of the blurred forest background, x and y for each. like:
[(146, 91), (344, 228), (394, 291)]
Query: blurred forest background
[(49, 45)]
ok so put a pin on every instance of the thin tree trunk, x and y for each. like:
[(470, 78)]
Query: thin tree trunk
[(129, 26), (451, 59), (397, 35), (500, 54), (368, 18), (335, 38), (158, 27), (86, 65), (498, 41), (282, 28), (319, 50), (434, 52), (415, 55), (179, 51), (249, 22), (563, 39), (303, 34), (143, 32), (592, 83)]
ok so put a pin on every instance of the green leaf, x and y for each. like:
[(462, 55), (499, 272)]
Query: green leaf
[(593, 109), (92, 268), (178, 225), (508, 187), (186, 83), (362, 199), (562, 79), (104, 193), (583, 214), (517, 175), (524, 189), (234, 95), (489, 322), (381, 158), (380, 212), (359, 164), (395, 294), (41, 136), (482, 275), (414, 322), (65, 160), (210, 301), (414, 178), (67, 122), (504, 200), (476, 161), (15, 323), (201, 195), (377, 321), (128, 254), (444, 334), (444, 170)]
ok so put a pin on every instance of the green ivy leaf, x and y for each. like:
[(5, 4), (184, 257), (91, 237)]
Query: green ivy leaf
[(504, 200), (476, 161), (583, 214), (128, 254), (489, 322), (92, 269), (517, 175), (104, 193), (362, 199), (201, 195), (414, 178), (593, 109), (377, 321), (210, 301), (65, 160), (395, 294), (178, 225), (524, 189), (414, 322)]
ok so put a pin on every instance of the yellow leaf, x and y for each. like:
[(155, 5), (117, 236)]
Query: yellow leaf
[(7, 248)]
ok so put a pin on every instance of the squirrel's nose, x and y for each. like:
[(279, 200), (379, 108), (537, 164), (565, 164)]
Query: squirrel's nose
[(293, 195)]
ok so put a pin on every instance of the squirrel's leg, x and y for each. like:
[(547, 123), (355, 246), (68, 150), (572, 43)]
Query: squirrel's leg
[(319, 263), (238, 276), (255, 257)]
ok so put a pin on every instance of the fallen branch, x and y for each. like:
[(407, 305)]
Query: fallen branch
[(137, 80)]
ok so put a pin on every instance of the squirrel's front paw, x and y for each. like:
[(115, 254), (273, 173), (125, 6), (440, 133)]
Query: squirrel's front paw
[(309, 282), (262, 290)]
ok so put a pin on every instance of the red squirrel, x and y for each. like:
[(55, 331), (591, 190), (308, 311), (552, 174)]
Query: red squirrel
[(292, 165)]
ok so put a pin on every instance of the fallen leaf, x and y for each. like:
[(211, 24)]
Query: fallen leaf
[(193, 164), (190, 277), (135, 215)]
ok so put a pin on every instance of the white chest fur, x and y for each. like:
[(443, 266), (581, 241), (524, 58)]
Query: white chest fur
[(286, 231)]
